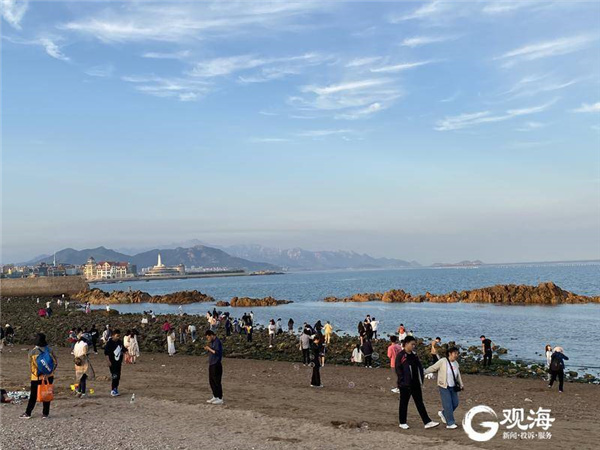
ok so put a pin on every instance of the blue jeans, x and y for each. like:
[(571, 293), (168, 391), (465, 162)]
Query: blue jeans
[(450, 403)]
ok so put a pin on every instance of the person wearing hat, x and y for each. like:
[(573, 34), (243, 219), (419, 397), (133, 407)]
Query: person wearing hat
[(557, 368), (41, 346)]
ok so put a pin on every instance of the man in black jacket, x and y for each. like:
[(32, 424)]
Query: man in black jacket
[(410, 379)]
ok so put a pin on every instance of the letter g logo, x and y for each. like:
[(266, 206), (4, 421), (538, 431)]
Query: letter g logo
[(492, 427)]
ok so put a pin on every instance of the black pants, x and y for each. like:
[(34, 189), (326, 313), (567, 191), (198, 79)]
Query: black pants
[(368, 360), (305, 356), (33, 398), (487, 359), (249, 338), (95, 344), (316, 376), (215, 373), (82, 383), (115, 372), (417, 395), (561, 377)]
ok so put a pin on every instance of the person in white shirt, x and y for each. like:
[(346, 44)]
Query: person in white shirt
[(192, 331), (357, 355), (449, 384), (374, 325), (272, 329), (171, 342), (83, 367)]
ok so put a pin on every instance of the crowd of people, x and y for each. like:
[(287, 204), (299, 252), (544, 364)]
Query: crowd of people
[(313, 342)]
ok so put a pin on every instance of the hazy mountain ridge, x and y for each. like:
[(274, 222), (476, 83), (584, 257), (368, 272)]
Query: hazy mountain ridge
[(199, 256), (300, 259)]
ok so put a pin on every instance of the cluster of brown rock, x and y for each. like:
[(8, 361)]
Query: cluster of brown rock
[(543, 294), (100, 297), (247, 302)]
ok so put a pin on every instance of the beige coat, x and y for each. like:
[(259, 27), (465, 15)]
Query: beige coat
[(441, 367)]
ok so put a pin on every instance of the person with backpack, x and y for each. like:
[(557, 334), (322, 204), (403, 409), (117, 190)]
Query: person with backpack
[(410, 381), (42, 363), (449, 384), (113, 350), (557, 368)]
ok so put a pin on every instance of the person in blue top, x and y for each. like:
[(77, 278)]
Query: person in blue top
[(557, 368), (215, 369)]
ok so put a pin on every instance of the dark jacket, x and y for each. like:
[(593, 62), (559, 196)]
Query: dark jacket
[(367, 347), (558, 358), (405, 372)]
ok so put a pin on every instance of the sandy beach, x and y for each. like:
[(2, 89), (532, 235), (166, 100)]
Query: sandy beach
[(270, 405)]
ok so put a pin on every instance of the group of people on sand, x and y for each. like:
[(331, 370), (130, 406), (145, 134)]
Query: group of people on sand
[(408, 370)]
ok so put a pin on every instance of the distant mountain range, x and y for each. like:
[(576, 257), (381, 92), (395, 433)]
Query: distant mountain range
[(247, 257), (198, 256), (300, 259)]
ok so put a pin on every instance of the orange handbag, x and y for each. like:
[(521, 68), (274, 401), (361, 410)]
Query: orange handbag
[(45, 391)]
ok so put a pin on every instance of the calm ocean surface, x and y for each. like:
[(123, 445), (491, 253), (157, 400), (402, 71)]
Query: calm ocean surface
[(523, 330)]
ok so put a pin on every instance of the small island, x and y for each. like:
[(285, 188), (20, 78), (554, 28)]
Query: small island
[(246, 302), (99, 297)]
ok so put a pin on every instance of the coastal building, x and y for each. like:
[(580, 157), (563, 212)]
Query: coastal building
[(160, 270), (104, 270)]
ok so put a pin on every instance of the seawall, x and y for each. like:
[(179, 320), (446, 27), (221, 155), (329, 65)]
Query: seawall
[(22, 287)]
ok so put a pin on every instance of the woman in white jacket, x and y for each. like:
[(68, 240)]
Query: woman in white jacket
[(449, 384)]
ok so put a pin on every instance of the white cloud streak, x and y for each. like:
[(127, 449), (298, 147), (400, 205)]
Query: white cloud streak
[(471, 119), (545, 49), (588, 108), (418, 41), (13, 11), (102, 71), (167, 55), (400, 67)]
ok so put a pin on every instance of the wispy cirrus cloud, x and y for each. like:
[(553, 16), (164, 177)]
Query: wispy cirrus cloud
[(531, 126), (400, 67), (359, 62), (49, 44), (324, 133), (101, 71), (167, 55), (587, 108), (179, 88), (468, 120), (362, 112), (418, 41), (13, 11), (503, 7), (425, 11), (546, 49)]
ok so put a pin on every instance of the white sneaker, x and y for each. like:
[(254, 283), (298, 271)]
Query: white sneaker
[(211, 400), (396, 391), (404, 426), (441, 414), (218, 401), (431, 424), (452, 427)]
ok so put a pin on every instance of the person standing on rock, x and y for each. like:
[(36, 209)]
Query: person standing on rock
[(171, 342), (228, 326), (214, 348), (317, 353), (328, 329), (449, 384), (192, 331), (486, 345), (113, 350), (291, 326), (374, 326), (367, 349), (42, 363), (402, 333), (272, 328), (557, 368), (410, 381), (305, 347)]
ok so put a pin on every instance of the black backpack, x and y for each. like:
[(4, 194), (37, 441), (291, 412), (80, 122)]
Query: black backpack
[(555, 363)]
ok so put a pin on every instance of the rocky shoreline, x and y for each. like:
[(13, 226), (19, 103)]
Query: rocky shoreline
[(22, 315), (546, 293), (99, 297), (247, 302)]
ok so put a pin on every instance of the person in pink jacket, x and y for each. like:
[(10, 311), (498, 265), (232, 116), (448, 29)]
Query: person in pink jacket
[(393, 349)]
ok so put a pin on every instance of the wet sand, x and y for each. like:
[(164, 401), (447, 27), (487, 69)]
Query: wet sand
[(270, 405)]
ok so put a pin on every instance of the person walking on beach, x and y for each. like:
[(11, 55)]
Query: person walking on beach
[(42, 364), (272, 329), (214, 348), (557, 368), (305, 347), (392, 351), (317, 353), (106, 334), (367, 350), (134, 347), (435, 346), (291, 326), (9, 334), (113, 350), (83, 367), (449, 384), (171, 342), (410, 380), (328, 329), (486, 345)]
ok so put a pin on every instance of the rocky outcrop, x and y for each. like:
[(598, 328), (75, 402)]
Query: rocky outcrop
[(546, 293), (100, 297), (248, 302)]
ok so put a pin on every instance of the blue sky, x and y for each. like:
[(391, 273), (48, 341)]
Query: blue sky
[(420, 130)]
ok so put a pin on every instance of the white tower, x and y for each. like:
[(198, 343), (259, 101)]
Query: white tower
[(159, 261)]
